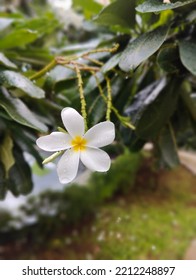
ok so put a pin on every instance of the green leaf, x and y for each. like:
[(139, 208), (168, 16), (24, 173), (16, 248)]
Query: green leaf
[(168, 59), (19, 112), (141, 48), (111, 63), (61, 73), (3, 184), (14, 79), (120, 12), (6, 154), (149, 6), (157, 109), (20, 181), (188, 98), (89, 7), (167, 146), (6, 62), (188, 55), (92, 83), (18, 38)]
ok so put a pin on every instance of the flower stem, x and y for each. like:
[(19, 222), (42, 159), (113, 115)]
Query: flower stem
[(82, 99), (43, 70), (109, 98), (52, 157)]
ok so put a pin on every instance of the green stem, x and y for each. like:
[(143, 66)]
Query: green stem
[(52, 157), (44, 70), (82, 99)]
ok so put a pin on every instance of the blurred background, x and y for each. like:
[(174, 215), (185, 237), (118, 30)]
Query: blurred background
[(144, 207)]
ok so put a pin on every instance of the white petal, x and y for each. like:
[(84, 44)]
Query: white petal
[(95, 159), (73, 122), (67, 166), (100, 135), (56, 141)]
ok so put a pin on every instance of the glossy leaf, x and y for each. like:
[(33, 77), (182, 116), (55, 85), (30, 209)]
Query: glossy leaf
[(167, 146), (149, 6), (157, 110), (111, 63), (120, 12), (20, 181), (168, 59), (188, 55), (19, 112), (6, 62), (14, 79), (141, 48)]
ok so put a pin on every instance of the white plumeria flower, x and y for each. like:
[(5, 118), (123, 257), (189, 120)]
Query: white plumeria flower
[(79, 145)]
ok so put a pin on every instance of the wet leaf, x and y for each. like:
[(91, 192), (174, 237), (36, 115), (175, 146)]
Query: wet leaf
[(149, 6), (19, 112), (6, 62), (188, 55), (14, 79), (141, 48)]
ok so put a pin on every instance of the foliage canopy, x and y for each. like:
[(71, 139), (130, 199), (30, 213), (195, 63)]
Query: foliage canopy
[(133, 61)]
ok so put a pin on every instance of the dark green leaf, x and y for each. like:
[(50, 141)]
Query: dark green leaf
[(120, 12), (156, 110), (188, 97), (188, 55), (6, 62), (14, 79), (19, 112), (20, 175), (168, 59), (141, 48), (18, 38), (167, 146), (3, 184), (149, 6)]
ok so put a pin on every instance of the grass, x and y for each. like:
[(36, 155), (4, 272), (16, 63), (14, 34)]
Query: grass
[(155, 223), (153, 219)]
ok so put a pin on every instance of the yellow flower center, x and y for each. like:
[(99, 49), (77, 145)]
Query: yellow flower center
[(79, 143)]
